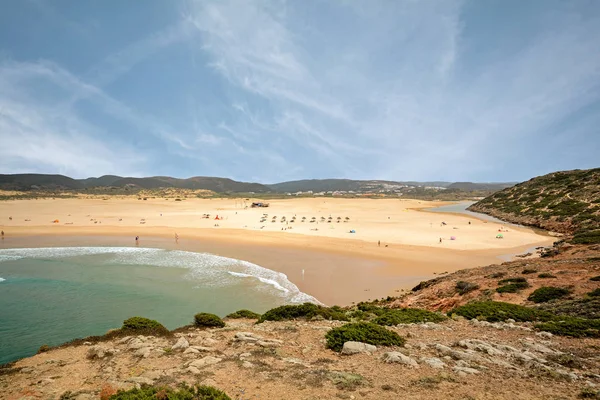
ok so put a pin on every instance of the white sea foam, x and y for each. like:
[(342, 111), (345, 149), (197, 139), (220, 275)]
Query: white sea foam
[(209, 269), (2, 279)]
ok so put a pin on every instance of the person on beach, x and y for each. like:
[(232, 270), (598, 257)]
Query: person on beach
[(379, 243), (2, 234), (440, 240), (176, 238), (137, 239)]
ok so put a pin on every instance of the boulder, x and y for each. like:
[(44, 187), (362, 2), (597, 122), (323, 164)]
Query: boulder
[(203, 362), (358, 347), (141, 380), (143, 352), (193, 370), (135, 344), (433, 362), (181, 344), (465, 370), (99, 352), (247, 337), (269, 343), (191, 350), (399, 358)]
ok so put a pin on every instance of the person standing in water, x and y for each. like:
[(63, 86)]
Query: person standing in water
[(2, 234), (176, 238), (137, 240)]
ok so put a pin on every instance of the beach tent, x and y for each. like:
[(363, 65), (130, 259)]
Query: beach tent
[(499, 236), (55, 221), (452, 237), (352, 231)]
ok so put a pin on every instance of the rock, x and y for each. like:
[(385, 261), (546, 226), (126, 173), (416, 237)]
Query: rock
[(202, 348), (466, 370), (433, 362), (269, 343), (540, 348), (181, 344), (458, 355), (143, 352), (141, 380), (545, 335), (358, 347), (210, 342), (245, 355), (247, 364), (247, 337), (480, 345), (397, 357), (203, 362), (135, 344), (193, 370), (124, 340), (99, 352), (191, 350), (84, 396)]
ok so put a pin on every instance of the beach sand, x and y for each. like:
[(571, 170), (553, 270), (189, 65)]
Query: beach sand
[(322, 258)]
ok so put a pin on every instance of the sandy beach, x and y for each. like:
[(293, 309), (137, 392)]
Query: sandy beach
[(322, 257)]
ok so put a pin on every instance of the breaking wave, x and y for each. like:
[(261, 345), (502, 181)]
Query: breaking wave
[(204, 268)]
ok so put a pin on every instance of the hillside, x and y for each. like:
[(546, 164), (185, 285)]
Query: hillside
[(566, 202), (310, 352), (28, 182)]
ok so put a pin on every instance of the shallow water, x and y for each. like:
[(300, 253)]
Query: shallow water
[(461, 208), (52, 295)]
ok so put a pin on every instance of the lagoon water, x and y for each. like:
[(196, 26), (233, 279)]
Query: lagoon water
[(52, 295)]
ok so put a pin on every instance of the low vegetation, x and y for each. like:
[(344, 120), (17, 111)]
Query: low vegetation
[(244, 314), (528, 271), (574, 327), (595, 278), (143, 326), (594, 293), (396, 316), (365, 332), (464, 287), (166, 393), (495, 311), (207, 320), (548, 293), (546, 275), (512, 285), (305, 311)]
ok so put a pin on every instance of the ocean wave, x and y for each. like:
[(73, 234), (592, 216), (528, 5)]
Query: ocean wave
[(210, 269), (2, 279)]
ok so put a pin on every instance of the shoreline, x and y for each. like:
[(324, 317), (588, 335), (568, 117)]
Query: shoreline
[(339, 267), (334, 276)]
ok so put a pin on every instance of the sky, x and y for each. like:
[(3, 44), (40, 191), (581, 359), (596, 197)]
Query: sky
[(271, 91)]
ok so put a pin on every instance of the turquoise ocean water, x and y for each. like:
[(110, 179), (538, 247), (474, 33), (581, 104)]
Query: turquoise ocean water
[(52, 295)]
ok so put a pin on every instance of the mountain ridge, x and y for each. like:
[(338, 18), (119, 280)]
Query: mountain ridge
[(28, 182)]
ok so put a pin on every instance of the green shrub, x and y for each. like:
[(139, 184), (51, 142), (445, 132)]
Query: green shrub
[(244, 314), (595, 278), (587, 237), (306, 310), (397, 316), (365, 332), (546, 275), (594, 293), (574, 327), (166, 393), (208, 320), (512, 287), (494, 311), (528, 271), (370, 308), (140, 325), (43, 348), (589, 393), (496, 275), (464, 287), (547, 293)]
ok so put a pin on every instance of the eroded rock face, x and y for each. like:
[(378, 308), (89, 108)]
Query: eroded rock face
[(358, 347)]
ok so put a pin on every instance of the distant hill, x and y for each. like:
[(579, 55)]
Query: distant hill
[(567, 202), (27, 182)]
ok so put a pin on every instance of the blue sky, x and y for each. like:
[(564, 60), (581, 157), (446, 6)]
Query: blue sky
[(492, 90)]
